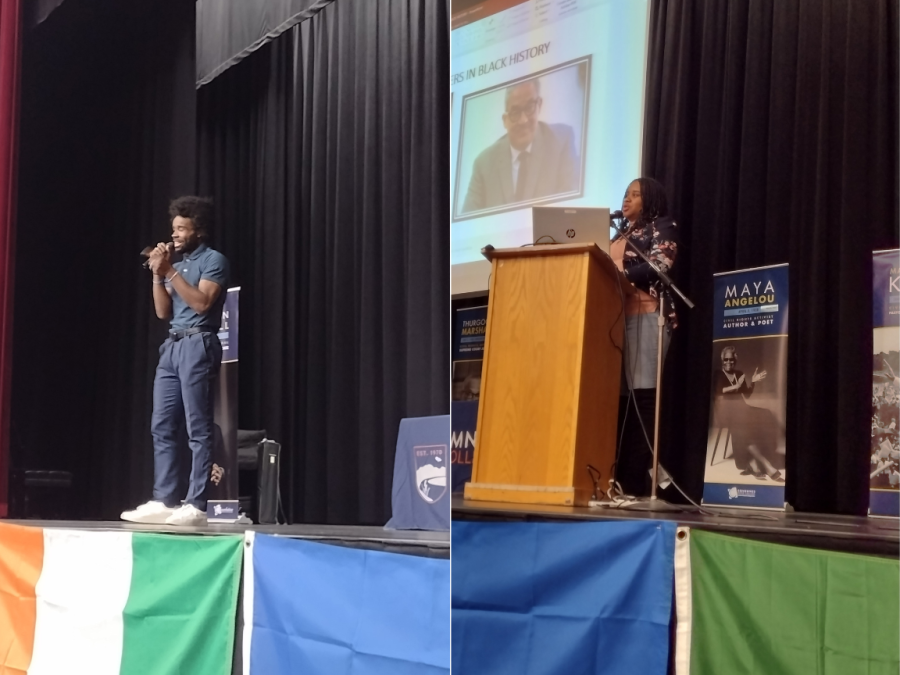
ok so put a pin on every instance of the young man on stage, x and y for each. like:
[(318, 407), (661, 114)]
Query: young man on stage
[(191, 294)]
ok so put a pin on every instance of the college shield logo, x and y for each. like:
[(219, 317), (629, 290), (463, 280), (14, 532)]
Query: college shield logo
[(431, 471)]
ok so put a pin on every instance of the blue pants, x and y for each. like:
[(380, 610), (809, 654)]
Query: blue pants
[(183, 398)]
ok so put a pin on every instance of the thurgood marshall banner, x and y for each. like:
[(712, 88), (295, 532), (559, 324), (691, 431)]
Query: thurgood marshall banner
[(745, 448), (469, 326), (884, 471)]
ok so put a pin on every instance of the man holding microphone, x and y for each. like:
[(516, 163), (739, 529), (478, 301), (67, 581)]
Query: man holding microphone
[(190, 293)]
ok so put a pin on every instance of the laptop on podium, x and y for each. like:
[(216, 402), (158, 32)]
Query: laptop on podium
[(570, 225)]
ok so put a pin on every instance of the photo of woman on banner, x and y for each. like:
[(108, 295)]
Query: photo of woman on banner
[(754, 431)]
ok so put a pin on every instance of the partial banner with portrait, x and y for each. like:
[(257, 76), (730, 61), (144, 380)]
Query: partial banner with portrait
[(745, 449), (884, 447), (469, 332)]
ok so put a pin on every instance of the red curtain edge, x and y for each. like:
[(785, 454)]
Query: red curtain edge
[(10, 74)]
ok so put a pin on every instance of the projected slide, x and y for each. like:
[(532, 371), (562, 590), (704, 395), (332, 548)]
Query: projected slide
[(551, 166), (547, 107)]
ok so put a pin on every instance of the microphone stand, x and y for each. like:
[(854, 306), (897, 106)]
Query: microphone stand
[(655, 503)]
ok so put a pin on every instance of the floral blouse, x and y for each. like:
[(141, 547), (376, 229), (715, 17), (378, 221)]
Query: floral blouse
[(659, 240)]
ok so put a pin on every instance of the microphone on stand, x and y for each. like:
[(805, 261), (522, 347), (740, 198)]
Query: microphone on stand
[(621, 229)]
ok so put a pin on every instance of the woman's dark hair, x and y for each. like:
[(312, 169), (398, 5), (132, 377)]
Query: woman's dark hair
[(653, 200), (199, 210)]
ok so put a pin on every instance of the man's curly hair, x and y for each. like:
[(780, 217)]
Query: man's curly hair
[(198, 209)]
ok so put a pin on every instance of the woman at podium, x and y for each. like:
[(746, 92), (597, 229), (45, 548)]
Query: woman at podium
[(648, 226)]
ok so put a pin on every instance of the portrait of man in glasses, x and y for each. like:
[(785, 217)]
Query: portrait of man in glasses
[(533, 160)]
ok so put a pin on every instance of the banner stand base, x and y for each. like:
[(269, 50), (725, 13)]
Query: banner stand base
[(653, 504)]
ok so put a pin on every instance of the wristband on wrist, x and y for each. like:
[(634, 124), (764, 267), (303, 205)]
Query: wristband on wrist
[(169, 279), (160, 282)]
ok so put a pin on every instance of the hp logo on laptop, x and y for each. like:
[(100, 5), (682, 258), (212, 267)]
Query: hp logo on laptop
[(570, 233)]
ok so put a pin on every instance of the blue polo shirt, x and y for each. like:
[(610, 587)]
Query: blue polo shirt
[(202, 263)]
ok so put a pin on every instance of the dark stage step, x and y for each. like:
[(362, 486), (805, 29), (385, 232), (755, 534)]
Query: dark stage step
[(874, 536), (414, 542)]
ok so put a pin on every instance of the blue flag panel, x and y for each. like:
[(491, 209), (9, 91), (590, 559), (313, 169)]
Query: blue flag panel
[(574, 598), (317, 608)]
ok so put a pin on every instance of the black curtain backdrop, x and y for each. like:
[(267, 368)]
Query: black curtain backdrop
[(228, 32), (327, 153), (107, 138), (773, 124)]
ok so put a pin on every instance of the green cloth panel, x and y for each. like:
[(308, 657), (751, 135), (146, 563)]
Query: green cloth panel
[(180, 614), (762, 608)]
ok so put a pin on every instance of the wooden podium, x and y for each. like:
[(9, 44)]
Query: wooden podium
[(551, 375)]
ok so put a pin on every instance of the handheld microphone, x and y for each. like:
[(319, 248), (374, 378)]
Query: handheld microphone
[(149, 249)]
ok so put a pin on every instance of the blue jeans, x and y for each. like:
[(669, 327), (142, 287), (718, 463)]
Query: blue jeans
[(183, 398), (641, 344)]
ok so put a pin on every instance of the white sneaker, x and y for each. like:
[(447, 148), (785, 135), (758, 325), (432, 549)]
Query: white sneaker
[(187, 515), (154, 513)]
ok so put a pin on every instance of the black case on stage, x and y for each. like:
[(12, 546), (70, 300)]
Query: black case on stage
[(267, 482), (42, 495)]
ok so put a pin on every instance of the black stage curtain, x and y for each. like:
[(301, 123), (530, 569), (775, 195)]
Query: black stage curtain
[(773, 123), (107, 138), (228, 32), (327, 153), (37, 11)]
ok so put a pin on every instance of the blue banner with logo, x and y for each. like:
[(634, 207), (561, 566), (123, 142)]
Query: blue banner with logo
[(469, 330), (884, 471), (419, 497), (562, 597), (746, 443), (228, 331), (320, 608)]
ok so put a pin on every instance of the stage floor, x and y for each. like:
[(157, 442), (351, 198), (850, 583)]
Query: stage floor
[(421, 542), (875, 536)]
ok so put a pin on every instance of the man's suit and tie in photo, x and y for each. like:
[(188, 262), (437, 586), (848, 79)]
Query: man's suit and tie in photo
[(533, 160)]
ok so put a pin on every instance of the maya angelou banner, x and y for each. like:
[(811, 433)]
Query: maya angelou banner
[(746, 443)]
